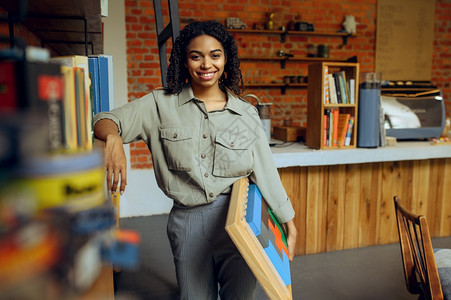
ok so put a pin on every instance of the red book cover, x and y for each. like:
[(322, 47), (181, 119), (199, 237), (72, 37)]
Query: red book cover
[(335, 128), (9, 98)]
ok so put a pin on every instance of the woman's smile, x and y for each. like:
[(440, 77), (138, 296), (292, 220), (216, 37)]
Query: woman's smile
[(206, 76)]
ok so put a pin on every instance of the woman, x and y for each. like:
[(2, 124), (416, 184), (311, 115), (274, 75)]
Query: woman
[(202, 138)]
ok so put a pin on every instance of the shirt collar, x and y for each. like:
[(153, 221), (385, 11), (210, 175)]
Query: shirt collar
[(234, 103)]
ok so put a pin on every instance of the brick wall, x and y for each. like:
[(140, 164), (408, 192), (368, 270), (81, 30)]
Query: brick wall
[(441, 63), (143, 61), (143, 67)]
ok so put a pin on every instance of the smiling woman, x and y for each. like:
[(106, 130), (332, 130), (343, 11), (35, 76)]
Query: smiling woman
[(205, 63), (203, 137)]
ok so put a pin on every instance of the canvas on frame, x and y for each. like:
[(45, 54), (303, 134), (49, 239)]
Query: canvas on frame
[(260, 239)]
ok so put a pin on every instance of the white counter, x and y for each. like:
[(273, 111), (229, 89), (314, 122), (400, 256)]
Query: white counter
[(296, 154)]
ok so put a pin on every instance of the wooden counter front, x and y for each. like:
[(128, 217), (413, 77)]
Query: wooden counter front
[(345, 206)]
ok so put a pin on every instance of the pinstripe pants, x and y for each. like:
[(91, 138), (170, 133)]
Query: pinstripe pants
[(205, 256)]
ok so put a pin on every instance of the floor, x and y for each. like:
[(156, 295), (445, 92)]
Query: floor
[(366, 273)]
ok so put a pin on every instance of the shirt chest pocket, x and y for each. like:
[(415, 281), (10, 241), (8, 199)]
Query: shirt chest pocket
[(233, 156), (177, 145)]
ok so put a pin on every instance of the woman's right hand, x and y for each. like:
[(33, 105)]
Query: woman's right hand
[(115, 163)]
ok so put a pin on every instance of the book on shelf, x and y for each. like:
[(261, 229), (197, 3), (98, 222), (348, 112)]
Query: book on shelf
[(83, 130), (340, 87), (44, 93), (349, 131), (343, 122), (80, 64), (326, 86), (10, 98), (337, 88), (104, 84), (70, 108), (332, 89), (101, 68), (343, 87), (95, 83), (328, 129), (110, 80), (325, 130), (335, 115), (351, 89)]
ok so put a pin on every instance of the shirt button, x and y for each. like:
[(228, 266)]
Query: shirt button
[(232, 144), (204, 135), (174, 135), (203, 156), (206, 174), (211, 195)]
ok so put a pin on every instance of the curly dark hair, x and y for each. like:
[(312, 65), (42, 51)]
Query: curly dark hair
[(178, 74)]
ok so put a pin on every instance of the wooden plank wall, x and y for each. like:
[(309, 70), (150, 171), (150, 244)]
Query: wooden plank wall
[(351, 206)]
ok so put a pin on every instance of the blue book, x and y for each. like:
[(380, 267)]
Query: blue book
[(110, 79), (104, 84), (93, 64)]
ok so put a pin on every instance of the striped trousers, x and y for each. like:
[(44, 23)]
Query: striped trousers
[(206, 260)]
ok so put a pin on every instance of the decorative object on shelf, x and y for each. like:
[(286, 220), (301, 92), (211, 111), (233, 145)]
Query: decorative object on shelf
[(282, 53), (312, 50), (289, 133), (350, 24), (270, 21), (304, 26), (235, 23), (323, 51)]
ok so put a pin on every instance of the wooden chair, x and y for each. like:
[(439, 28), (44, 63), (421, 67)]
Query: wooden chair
[(418, 259)]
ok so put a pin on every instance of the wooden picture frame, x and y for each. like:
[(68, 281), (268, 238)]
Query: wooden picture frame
[(251, 248)]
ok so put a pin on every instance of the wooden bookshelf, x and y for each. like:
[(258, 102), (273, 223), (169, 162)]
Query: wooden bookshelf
[(316, 106), (66, 28)]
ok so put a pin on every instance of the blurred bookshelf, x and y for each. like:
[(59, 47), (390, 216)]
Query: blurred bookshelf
[(59, 237)]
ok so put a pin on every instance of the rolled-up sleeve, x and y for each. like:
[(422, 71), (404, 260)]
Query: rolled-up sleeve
[(135, 119)]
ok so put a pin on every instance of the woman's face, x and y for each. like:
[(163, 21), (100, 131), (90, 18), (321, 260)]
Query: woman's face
[(205, 61)]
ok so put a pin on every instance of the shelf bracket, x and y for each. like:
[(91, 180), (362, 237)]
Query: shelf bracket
[(283, 37), (283, 63), (345, 40), (283, 89), (165, 33)]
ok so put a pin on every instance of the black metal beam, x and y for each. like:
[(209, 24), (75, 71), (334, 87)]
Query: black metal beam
[(165, 33)]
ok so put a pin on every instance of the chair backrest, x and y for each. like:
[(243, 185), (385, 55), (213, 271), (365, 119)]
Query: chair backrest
[(420, 268)]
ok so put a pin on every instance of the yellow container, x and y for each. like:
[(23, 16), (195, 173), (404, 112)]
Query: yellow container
[(75, 181)]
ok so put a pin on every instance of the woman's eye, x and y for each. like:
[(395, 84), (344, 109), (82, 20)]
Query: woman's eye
[(195, 57)]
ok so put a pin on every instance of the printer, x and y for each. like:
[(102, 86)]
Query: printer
[(412, 110)]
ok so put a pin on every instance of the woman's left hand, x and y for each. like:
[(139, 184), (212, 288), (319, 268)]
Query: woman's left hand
[(291, 239)]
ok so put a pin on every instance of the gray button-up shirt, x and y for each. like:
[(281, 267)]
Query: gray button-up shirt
[(198, 154)]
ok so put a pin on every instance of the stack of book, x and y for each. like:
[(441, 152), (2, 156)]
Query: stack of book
[(338, 89), (338, 128), (88, 90), (64, 92)]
